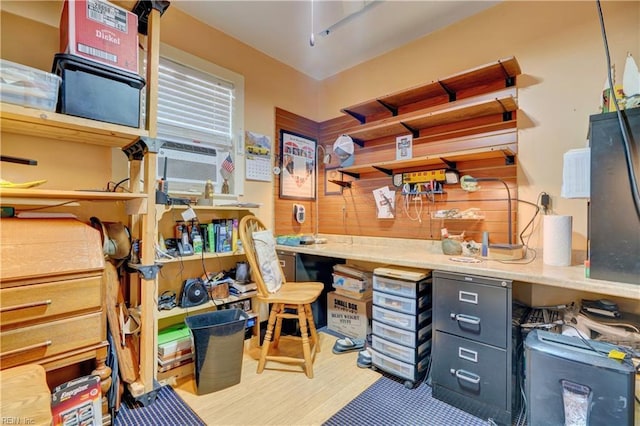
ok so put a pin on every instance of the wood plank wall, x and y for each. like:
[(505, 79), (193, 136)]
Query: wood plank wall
[(354, 212)]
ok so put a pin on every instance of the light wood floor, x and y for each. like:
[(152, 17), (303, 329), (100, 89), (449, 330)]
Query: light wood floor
[(278, 397)]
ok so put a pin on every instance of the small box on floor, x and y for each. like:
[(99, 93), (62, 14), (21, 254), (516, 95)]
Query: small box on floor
[(100, 31), (77, 402), (351, 317)]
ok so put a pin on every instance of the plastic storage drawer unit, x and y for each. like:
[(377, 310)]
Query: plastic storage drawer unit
[(400, 287), (29, 87), (397, 319), (402, 353), (413, 373), (404, 337), (402, 304), (96, 91)]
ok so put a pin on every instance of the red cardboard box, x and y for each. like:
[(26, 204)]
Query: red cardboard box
[(100, 31)]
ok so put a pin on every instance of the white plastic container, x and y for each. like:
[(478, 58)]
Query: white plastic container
[(29, 87)]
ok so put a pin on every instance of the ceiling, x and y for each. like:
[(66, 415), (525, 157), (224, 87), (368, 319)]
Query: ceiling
[(358, 30)]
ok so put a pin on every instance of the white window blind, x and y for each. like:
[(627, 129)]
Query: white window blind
[(194, 105)]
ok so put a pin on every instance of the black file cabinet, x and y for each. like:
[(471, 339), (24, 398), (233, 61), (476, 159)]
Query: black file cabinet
[(472, 347)]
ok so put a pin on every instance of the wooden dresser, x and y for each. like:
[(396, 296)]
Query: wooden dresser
[(51, 294)]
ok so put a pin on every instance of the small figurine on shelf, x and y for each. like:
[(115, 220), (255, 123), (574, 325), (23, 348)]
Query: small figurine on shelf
[(225, 187)]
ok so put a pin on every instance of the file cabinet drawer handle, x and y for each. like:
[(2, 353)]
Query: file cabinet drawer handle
[(26, 349), (466, 376), (465, 318), (26, 305)]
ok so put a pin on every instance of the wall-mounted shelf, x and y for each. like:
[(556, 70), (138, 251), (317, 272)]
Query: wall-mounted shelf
[(443, 159), (502, 102), (444, 90), (52, 125)]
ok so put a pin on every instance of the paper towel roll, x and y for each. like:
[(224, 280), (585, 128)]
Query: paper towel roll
[(557, 240)]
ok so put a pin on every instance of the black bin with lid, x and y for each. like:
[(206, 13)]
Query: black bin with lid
[(97, 91)]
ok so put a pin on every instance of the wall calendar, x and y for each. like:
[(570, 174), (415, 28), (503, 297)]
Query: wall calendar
[(258, 157)]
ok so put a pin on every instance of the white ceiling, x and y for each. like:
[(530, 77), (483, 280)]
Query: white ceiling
[(359, 29)]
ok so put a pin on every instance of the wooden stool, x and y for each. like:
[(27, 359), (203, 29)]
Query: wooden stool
[(25, 395)]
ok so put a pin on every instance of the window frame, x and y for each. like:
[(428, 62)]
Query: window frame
[(237, 118)]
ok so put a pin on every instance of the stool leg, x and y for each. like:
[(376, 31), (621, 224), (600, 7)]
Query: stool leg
[(306, 350), (275, 309), (312, 328), (278, 328)]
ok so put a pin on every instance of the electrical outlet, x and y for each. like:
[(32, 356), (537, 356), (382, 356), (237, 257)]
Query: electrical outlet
[(545, 201)]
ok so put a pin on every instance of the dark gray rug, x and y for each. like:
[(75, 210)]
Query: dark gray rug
[(168, 409), (389, 402)]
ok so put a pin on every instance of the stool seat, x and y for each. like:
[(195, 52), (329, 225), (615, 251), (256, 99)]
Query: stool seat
[(26, 398)]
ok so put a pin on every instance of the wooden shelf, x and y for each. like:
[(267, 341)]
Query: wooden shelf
[(200, 256), (449, 87), (500, 102), (62, 195), (162, 209), (46, 124), (205, 306), (499, 144)]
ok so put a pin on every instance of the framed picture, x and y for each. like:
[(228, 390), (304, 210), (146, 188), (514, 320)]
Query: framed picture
[(332, 174), (298, 171)]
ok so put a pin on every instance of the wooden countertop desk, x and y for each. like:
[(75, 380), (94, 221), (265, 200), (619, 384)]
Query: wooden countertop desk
[(427, 254)]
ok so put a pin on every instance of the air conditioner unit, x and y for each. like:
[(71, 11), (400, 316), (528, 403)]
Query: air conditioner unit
[(187, 167)]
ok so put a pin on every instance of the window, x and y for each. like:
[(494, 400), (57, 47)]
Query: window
[(193, 105), (200, 102)]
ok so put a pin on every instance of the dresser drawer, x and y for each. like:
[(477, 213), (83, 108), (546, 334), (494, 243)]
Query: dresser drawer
[(470, 368), (33, 343), (472, 309), (36, 302), (398, 319), (402, 304), (398, 335), (402, 353), (401, 287)]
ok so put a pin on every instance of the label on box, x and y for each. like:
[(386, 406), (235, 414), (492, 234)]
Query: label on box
[(101, 32), (348, 316)]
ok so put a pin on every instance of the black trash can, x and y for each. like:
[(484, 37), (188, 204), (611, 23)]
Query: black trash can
[(218, 339)]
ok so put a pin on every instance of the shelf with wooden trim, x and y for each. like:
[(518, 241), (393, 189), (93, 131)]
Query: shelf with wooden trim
[(51, 125), (161, 209), (67, 196), (501, 102), (498, 144), (210, 304), (443, 90), (200, 256)]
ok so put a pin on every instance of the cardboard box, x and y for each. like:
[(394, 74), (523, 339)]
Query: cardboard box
[(351, 317), (100, 31), (77, 402)]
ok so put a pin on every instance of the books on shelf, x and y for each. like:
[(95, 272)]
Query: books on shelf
[(169, 366)]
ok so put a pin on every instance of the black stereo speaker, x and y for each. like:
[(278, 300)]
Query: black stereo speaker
[(193, 293)]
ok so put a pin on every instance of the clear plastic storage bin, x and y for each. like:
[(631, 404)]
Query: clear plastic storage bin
[(29, 87)]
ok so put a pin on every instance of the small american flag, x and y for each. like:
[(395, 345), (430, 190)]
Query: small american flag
[(227, 167)]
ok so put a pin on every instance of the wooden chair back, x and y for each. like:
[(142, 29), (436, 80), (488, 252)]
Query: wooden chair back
[(248, 225)]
